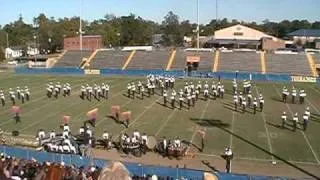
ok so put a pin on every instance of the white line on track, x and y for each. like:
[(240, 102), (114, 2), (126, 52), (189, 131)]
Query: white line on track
[(303, 134), (266, 129)]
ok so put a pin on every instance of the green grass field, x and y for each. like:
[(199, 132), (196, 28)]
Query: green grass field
[(249, 135)]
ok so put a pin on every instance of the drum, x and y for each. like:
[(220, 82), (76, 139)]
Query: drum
[(152, 142), (171, 152), (136, 152)]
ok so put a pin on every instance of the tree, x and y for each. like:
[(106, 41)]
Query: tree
[(171, 30)]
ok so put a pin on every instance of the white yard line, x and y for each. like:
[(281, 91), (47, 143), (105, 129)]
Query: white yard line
[(57, 112), (195, 128), (303, 134), (166, 122), (139, 116), (266, 129), (232, 128)]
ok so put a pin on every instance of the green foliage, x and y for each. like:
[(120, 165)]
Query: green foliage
[(128, 30)]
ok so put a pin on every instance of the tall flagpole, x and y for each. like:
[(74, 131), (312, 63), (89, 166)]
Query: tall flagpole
[(80, 28), (198, 27)]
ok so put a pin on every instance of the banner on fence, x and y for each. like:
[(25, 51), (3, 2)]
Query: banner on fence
[(303, 79), (92, 71)]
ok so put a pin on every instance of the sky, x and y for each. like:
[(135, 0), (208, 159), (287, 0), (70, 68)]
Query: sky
[(245, 10)]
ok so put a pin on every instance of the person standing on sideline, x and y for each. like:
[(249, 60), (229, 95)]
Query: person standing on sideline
[(284, 119)]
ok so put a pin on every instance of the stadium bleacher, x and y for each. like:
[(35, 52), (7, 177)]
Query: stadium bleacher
[(109, 59), (240, 61), (179, 61), (72, 58), (316, 58), (288, 63), (149, 60), (205, 64)]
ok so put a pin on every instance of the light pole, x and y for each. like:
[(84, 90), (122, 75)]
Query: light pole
[(35, 49), (198, 27), (119, 37)]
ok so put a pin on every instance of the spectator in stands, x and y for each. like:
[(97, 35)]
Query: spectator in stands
[(114, 171)]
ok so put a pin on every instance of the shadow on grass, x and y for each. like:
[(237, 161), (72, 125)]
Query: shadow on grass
[(207, 163), (278, 126), (223, 126), (166, 106)]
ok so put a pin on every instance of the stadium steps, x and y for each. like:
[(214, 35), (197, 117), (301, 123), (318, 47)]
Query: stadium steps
[(130, 57), (88, 61), (109, 59), (288, 63), (149, 60), (171, 59), (216, 61), (263, 62), (312, 65), (240, 61), (180, 61), (56, 59), (72, 58), (206, 61)]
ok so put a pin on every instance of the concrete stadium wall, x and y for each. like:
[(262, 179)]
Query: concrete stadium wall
[(176, 73)]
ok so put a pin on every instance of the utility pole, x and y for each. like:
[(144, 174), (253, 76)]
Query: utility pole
[(7, 35), (80, 28), (198, 28)]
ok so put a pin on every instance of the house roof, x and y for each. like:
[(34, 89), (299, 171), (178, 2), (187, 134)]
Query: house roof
[(306, 32)]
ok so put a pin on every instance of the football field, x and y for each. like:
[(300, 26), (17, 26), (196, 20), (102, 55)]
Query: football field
[(251, 136)]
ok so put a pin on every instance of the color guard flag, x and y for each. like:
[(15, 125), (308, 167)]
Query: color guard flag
[(126, 115), (202, 133), (93, 114), (15, 109), (66, 119), (115, 110)]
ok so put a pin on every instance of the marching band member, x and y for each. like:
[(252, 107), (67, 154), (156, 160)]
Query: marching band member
[(302, 95), (52, 134), (261, 101), (240, 98), (219, 88), (249, 96), (172, 100), (234, 86), (199, 86), (68, 89), (58, 85), (164, 145), (293, 94), (142, 92), (27, 93), (307, 111), (105, 135), (235, 100), (222, 91), (18, 92), (305, 121), (172, 81), (106, 95), (295, 121), (129, 89), (133, 89), (206, 86), (152, 88), (284, 119), (56, 91), (41, 134), (181, 101), (149, 89), (136, 134), (186, 86), (206, 94), (81, 130), (193, 97), (255, 105), (64, 89), (49, 91), (244, 104), (197, 93), (177, 142), (189, 100), (215, 93), (66, 127), (12, 96), (22, 97), (165, 97), (285, 94), (83, 92), (2, 97), (139, 87)]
